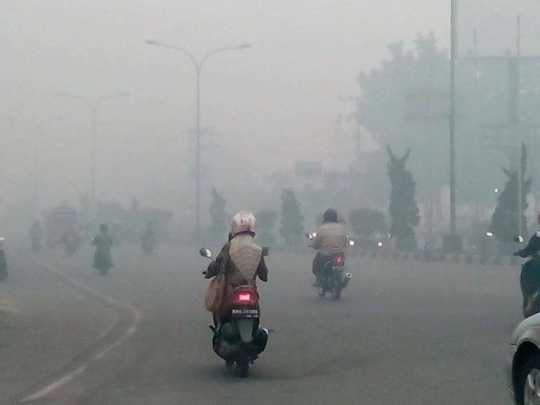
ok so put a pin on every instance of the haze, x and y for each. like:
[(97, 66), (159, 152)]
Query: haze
[(265, 107)]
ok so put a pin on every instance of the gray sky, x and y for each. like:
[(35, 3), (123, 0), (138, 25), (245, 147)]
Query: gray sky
[(270, 105)]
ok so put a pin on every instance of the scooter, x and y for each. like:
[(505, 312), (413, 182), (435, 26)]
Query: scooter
[(334, 277), (238, 338)]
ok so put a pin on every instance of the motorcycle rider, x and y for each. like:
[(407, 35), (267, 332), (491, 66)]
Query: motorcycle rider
[(331, 239), (103, 243), (35, 235), (241, 259), (242, 262), (530, 272)]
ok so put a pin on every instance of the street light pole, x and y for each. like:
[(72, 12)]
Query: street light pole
[(517, 123), (198, 68), (453, 241), (93, 110)]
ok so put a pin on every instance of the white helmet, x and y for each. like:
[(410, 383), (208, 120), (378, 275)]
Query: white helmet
[(243, 221)]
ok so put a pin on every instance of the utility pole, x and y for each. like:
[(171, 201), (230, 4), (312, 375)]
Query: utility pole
[(514, 116), (453, 242)]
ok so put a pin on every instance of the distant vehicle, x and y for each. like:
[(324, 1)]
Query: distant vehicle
[(58, 221), (524, 370), (334, 277), (3, 262)]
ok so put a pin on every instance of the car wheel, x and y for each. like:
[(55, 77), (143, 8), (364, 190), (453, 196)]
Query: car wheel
[(528, 384)]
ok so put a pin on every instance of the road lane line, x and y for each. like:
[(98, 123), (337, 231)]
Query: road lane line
[(55, 385), (137, 316)]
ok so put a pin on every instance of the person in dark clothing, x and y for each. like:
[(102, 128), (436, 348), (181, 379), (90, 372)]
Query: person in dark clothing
[(103, 243), (530, 274)]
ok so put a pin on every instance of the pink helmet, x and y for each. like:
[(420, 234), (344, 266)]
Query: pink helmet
[(243, 221)]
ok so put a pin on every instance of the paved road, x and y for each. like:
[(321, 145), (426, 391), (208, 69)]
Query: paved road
[(404, 333)]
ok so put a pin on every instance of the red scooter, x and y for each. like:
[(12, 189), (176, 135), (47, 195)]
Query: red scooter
[(238, 339)]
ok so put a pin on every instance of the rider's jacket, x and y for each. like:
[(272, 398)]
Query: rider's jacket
[(103, 243), (331, 239), (242, 261)]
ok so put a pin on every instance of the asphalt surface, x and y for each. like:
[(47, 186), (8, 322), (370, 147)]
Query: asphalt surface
[(403, 333)]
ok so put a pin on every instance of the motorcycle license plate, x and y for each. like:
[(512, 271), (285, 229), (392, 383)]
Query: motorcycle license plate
[(245, 313)]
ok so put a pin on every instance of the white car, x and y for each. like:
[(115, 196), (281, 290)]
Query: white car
[(525, 363)]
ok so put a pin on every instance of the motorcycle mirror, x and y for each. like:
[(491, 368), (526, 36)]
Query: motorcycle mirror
[(265, 251), (519, 239), (205, 252)]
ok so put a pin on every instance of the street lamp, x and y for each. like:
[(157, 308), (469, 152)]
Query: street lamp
[(198, 67), (35, 127), (454, 242), (94, 109)]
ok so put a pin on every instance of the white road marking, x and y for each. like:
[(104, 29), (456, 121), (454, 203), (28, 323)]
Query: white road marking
[(129, 332), (57, 384)]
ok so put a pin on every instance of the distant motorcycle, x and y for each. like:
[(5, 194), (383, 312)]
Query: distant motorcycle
[(103, 262), (334, 277), (3, 262), (240, 340)]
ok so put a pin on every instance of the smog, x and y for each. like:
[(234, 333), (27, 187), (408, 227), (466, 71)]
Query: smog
[(415, 121)]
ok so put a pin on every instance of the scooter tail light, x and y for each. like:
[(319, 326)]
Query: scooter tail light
[(244, 297)]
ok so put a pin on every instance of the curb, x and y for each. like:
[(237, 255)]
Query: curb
[(419, 256)]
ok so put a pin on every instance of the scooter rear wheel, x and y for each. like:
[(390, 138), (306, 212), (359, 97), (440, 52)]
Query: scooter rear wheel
[(242, 365)]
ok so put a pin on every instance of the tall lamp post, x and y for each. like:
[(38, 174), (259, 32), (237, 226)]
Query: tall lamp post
[(454, 242), (198, 67), (94, 110)]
